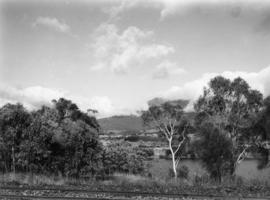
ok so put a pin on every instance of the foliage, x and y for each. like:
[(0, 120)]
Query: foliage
[(14, 120), (261, 127), (61, 139), (124, 158), (214, 149), (168, 118), (182, 172), (231, 106), (132, 138)]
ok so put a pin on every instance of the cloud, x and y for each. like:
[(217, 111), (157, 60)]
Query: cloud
[(121, 50), (34, 97), (171, 7), (102, 104), (52, 23), (30, 97), (166, 69), (192, 90), (166, 7), (121, 6), (264, 26)]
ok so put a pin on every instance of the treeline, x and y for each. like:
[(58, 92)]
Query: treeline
[(231, 120), (60, 140)]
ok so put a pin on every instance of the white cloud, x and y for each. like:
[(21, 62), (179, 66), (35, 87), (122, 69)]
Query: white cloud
[(171, 7), (31, 97), (192, 90), (34, 97), (52, 23), (102, 104), (166, 69), (166, 7), (120, 51)]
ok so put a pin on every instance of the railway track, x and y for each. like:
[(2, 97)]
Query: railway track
[(24, 193)]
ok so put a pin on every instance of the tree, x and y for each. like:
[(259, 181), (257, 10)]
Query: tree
[(36, 145), (59, 139), (14, 120), (231, 106), (75, 147), (261, 129), (68, 109), (169, 119), (82, 150), (77, 136), (214, 149)]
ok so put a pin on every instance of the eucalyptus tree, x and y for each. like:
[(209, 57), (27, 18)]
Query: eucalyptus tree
[(214, 150), (169, 120), (231, 106), (261, 129), (14, 120)]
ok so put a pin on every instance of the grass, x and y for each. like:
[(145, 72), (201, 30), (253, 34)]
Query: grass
[(130, 182), (38, 180)]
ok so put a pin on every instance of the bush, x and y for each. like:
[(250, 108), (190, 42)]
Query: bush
[(201, 179), (122, 157), (214, 149), (132, 138), (182, 172)]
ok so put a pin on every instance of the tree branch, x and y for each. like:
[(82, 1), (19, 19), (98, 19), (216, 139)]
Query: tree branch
[(241, 156), (159, 127), (180, 143)]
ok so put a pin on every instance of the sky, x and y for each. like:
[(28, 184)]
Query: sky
[(115, 55)]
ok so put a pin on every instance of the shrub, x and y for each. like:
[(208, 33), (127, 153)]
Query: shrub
[(214, 149), (132, 138), (182, 172), (122, 157)]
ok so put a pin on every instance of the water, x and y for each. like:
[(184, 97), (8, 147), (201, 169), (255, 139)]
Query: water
[(247, 169)]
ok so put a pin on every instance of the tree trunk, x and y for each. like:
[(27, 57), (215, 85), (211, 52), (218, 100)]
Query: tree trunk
[(173, 160), (13, 160), (174, 165)]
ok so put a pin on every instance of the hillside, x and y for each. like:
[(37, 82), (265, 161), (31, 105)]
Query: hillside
[(132, 123), (158, 101), (121, 123)]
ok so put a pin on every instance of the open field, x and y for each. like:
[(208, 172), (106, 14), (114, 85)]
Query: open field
[(247, 169)]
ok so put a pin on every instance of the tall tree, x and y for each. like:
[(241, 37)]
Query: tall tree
[(68, 109), (35, 148), (231, 106), (261, 129), (214, 150), (77, 136), (169, 119), (14, 120)]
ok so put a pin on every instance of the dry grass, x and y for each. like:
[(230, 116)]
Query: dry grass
[(130, 182), (37, 179)]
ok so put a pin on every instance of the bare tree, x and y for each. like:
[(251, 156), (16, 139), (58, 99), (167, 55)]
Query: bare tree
[(169, 120)]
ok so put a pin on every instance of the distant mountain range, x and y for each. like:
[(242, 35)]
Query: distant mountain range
[(133, 123), (122, 123), (158, 101)]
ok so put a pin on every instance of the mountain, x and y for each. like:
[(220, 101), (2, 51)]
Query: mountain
[(158, 101), (132, 123), (122, 123)]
